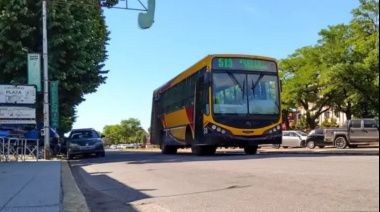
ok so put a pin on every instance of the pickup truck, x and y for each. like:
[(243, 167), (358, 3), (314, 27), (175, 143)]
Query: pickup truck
[(353, 133)]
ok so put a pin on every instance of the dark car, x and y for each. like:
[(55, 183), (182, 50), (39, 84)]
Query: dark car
[(84, 142), (316, 139)]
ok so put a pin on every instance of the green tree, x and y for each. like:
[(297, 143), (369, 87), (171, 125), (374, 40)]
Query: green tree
[(77, 37), (141, 136), (113, 133), (351, 53), (130, 128), (302, 83)]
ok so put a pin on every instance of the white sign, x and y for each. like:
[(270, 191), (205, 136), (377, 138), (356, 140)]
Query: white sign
[(18, 121), (21, 94), (17, 113)]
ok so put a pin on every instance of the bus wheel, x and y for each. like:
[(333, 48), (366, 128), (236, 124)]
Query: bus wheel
[(251, 150), (203, 150), (197, 150), (210, 150), (169, 150)]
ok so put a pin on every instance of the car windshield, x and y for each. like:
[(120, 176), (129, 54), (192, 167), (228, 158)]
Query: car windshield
[(235, 93), (302, 133), (84, 134)]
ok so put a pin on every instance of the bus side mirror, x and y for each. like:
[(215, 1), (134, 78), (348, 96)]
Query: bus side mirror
[(208, 78)]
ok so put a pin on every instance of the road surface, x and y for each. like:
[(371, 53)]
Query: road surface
[(151, 182)]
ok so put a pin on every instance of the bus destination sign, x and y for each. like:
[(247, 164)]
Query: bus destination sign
[(244, 64)]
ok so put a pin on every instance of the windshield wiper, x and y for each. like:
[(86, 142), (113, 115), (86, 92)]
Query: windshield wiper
[(254, 84), (232, 76)]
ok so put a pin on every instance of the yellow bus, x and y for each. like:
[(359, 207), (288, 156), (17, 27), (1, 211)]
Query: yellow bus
[(230, 101)]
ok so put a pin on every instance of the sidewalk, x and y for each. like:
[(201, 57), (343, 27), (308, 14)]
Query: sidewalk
[(30, 186), (44, 186)]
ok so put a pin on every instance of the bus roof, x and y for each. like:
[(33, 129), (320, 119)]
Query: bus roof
[(202, 63)]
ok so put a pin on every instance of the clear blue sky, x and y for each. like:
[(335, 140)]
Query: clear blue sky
[(184, 32)]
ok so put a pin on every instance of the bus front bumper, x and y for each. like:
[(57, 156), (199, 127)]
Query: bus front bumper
[(241, 141)]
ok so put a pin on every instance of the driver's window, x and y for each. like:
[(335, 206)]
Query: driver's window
[(293, 134)]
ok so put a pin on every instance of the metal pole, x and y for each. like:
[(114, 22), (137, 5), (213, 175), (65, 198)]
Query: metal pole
[(46, 82)]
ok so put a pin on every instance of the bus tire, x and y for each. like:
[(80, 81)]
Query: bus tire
[(189, 140), (251, 150), (169, 150), (203, 150)]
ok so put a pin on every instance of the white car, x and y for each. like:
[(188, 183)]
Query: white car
[(294, 138), (113, 147)]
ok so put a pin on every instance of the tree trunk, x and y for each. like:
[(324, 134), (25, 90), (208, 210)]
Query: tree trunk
[(348, 111), (285, 117), (310, 120)]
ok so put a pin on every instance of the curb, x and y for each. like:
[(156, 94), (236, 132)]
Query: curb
[(322, 153), (72, 198)]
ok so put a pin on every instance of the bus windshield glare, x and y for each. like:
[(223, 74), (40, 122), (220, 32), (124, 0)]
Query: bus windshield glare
[(242, 94)]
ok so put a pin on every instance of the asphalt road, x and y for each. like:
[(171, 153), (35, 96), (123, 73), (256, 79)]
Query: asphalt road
[(151, 182)]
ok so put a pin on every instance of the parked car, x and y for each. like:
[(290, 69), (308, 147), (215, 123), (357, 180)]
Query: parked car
[(354, 133), (85, 142), (316, 138), (295, 138)]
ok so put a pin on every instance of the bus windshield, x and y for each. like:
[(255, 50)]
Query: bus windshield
[(238, 93)]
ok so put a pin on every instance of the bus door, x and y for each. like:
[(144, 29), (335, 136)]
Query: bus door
[(199, 109)]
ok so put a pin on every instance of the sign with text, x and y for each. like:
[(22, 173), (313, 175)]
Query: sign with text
[(34, 70), (54, 105), (17, 113), (18, 94), (6, 121)]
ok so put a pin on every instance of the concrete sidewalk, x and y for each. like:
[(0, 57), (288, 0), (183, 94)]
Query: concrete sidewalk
[(30, 186)]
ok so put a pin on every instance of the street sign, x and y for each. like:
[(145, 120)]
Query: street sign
[(18, 94), (17, 112), (34, 70), (54, 102), (18, 122)]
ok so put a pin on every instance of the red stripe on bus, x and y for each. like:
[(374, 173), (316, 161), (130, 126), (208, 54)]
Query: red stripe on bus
[(190, 116)]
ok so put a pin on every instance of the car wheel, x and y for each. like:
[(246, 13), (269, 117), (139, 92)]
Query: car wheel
[(341, 143), (277, 146), (311, 145), (321, 147), (70, 156), (303, 144)]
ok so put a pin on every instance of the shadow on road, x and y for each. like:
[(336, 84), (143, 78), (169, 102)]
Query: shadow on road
[(140, 157), (104, 193)]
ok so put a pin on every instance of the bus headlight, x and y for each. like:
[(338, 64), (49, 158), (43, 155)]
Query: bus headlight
[(274, 130), (214, 129)]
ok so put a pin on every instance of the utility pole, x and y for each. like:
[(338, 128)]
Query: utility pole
[(46, 83)]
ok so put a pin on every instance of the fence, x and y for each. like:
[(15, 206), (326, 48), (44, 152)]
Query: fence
[(17, 149)]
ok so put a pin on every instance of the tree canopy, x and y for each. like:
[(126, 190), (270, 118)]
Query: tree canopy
[(128, 131), (77, 39), (341, 71)]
